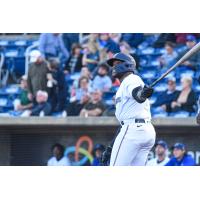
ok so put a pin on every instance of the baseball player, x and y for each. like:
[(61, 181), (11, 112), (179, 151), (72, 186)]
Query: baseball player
[(137, 134)]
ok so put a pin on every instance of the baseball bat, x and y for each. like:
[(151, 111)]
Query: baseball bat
[(190, 53)]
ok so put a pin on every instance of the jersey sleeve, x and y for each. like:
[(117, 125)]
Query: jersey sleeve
[(132, 83)]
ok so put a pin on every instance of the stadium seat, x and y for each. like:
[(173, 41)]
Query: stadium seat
[(180, 114)]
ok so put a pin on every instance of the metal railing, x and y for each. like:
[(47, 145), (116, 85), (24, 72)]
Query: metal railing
[(2, 57), (27, 53)]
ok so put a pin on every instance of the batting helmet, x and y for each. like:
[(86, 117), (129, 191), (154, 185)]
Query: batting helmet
[(128, 64)]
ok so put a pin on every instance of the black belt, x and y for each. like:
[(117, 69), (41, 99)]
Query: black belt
[(136, 121)]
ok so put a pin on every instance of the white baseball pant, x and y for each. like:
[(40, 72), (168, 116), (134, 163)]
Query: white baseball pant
[(133, 144)]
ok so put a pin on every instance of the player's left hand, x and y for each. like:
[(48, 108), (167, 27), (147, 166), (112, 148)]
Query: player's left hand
[(147, 91)]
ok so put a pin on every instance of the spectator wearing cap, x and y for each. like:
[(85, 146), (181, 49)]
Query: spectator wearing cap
[(95, 107), (37, 73), (23, 102), (164, 100), (180, 157), (52, 45), (161, 151), (186, 99), (102, 81), (58, 158), (168, 57), (98, 151), (192, 62), (74, 63), (41, 107)]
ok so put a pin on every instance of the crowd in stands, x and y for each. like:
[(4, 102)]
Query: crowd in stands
[(163, 157), (69, 76)]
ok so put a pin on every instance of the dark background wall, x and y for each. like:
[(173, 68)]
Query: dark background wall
[(30, 143)]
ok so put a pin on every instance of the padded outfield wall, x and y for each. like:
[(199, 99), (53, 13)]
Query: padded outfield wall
[(27, 141)]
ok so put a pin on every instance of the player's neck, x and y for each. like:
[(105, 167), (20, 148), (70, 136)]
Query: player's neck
[(124, 76)]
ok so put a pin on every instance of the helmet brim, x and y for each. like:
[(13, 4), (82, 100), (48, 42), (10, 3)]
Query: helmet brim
[(112, 60)]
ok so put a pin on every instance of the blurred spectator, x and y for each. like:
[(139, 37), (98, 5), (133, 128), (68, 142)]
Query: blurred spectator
[(161, 151), (74, 63), (180, 157), (102, 81), (163, 38), (58, 158), (186, 100), (98, 151), (83, 89), (107, 43), (125, 48), (133, 39), (69, 39), (23, 102), (52, 45), (193, 62), (164, 100), (57, 86), (85, 72), (37, 73), (116, 37), (91, 55), (74, 108), (95, 107), (181, 38), (41, 107), (168, 58)]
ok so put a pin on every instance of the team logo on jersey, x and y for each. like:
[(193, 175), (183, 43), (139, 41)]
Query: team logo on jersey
[(117, 100)]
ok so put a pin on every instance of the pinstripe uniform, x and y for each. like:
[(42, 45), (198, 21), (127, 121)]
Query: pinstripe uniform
[(137, 135)]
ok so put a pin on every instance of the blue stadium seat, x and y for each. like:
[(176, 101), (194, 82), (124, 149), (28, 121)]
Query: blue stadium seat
[(108, 97), (180, 114), (161, 87)]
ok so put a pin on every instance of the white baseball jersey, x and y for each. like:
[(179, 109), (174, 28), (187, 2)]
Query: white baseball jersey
[(155, 162), (126, 106), (64, 161), (135, 140)]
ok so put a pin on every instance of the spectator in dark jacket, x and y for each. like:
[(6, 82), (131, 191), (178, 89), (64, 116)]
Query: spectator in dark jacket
[(57, 86), (41, 107), (180, 157), (163, 38), (165, 99), (193, 62), (74, 63), (95, 107), (37, 73), (186, 100)]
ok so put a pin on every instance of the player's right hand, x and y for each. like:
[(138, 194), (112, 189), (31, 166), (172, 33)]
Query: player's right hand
[(147, 91)]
